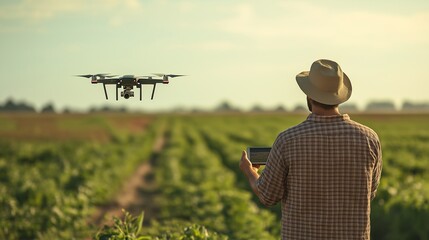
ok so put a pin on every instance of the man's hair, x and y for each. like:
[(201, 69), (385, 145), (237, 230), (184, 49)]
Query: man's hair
[(324, 106)]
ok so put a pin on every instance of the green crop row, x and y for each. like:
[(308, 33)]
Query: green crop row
[(195, 187), (48, 190)]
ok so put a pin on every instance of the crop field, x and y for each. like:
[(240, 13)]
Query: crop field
[(59, 171)]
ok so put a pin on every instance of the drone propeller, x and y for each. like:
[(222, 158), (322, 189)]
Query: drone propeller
[(168, 75), (85, 76), (101, 75)]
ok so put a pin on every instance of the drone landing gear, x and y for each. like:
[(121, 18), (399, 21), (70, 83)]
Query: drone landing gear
[(127, 93), (141, 93), (153, 91), (105, 91)]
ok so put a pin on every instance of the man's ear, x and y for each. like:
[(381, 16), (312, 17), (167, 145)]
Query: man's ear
[(310, 104)]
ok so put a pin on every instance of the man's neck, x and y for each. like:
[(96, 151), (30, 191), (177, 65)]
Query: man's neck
[(325, 112)]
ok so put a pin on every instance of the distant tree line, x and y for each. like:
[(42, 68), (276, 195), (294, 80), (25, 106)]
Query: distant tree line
[(12, 106), (374, 106)]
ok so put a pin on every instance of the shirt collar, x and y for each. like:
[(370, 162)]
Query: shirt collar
[(334, 118)]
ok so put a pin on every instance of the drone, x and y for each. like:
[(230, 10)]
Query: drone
[(127, 82)]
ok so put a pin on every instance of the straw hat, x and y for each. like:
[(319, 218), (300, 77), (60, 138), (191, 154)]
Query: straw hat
[(325, 82)]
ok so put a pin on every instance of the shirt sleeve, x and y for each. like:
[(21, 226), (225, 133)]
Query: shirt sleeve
[(272, 181), (376, 173)]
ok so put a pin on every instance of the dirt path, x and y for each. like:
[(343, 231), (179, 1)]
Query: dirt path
[(136, 195)]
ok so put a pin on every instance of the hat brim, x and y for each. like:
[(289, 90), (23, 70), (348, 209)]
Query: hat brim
[(316, 94)]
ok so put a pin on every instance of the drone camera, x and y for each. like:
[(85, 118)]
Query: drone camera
[(127, 94)]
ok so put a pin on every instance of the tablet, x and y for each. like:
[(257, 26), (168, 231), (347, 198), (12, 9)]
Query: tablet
[(258, 155)]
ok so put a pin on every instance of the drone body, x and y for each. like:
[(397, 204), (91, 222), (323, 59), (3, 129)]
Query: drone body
[(128, 82)]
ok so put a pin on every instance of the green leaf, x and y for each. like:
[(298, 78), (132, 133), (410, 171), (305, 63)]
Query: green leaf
[(140, 223)]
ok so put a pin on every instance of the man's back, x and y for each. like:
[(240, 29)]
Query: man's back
[(325, 171)]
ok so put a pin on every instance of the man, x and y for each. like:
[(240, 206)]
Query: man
[(326, 170)]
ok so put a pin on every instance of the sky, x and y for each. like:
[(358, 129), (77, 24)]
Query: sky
[(244, 52)]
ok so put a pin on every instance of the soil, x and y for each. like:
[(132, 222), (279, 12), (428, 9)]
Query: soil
[(136, 195)]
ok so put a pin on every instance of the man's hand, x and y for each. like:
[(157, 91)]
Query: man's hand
[(251, 171), (246, 166)]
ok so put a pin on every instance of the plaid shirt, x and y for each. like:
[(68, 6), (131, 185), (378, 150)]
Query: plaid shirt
[(325, 171)]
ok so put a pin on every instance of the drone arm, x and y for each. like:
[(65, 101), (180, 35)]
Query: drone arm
[(149, 81), (108, 81)]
